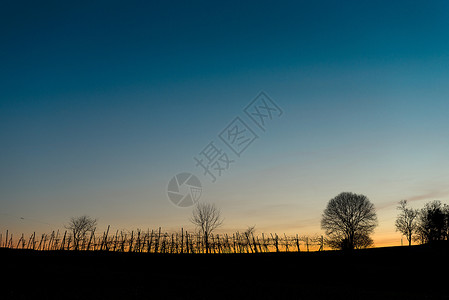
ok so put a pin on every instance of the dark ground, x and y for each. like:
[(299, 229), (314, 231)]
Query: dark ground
[(417, 272)]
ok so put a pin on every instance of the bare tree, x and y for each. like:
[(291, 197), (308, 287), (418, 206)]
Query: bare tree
[(248, 234), (250, 230), (348, 220), (80, 226), (406, 223), (433, 222), (207, 218)]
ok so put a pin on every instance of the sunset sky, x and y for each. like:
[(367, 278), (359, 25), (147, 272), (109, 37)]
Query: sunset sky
[(103, 103)]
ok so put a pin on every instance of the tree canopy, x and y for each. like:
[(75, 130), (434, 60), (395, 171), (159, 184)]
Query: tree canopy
[(348, 221)]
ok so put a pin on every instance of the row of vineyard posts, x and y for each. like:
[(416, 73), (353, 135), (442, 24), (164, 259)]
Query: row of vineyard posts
[(155, 241)]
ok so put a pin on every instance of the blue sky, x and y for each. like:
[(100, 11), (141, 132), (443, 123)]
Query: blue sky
[(101, 104)]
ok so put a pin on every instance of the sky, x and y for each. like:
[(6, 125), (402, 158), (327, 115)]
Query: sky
[(102, 103)]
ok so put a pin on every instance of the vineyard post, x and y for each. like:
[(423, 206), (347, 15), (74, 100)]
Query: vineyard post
[(122, 241), (136, 241), (166, 242), (192, 250), (45, 242), (158, 241), (115, 240), (219, 244), (226, 246), (189, 249), (259, 244), (182, 239), (51, 240), (131, 241), (34, 243), (214, 243), (90, 239), (248, 244), (105, 240), (254, 243), (29, 242), (40, 243), (286, 242), (94, 243), (137, 248), (18, 243), (192, 247), (263, 242), (156, 244), (62, 243), (45, 246), (146, 236), (164, 246), (21, 240), (238, 243), (8, 242), (297, 243), (150, 242), (275, 241), (188, 241), (56, 242)]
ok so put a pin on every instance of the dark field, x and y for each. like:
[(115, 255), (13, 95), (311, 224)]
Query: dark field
[(417, 272)]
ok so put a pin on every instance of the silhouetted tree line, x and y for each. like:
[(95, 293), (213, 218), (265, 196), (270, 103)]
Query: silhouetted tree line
[(349, 219), (425, 225)]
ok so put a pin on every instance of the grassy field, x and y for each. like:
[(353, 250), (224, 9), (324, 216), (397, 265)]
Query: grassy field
[(417, 272)]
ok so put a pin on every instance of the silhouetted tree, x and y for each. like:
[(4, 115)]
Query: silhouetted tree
[(407, 221), (433, 223), (250, 230), (348, 220), (207, 218), (248, 234), (446, 213), (80, 226)]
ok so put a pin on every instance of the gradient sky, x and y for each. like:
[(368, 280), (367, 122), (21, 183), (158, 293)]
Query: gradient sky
[(102, 103)]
